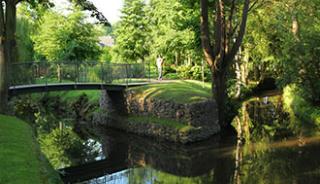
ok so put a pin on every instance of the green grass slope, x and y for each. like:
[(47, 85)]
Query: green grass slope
[(20, 158), (178, 91)]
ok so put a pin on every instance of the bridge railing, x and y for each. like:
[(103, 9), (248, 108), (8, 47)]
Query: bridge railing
[(75, 72)]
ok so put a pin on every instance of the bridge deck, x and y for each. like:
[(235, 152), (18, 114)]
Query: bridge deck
[(38, 88)]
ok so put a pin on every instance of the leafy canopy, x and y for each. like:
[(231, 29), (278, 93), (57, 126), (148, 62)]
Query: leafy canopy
[(66, 38)]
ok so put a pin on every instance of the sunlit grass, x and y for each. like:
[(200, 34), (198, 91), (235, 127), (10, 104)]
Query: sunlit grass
[(178, 91)]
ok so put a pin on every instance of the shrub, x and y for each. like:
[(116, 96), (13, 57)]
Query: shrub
[(297, 103), (193, 73)]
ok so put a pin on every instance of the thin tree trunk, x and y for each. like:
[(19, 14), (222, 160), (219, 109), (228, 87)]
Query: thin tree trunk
[(177, 61), (59, 73), (3, 64), (295, 27)]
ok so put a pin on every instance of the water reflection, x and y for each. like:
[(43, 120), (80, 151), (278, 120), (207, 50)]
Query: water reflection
[(269, 148)]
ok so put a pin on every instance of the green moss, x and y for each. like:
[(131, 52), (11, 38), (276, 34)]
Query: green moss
[(186, 129), (160, 121), (20, 157), (182, 92)]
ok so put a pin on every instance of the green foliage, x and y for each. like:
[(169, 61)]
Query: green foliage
[(277, 50), (174, 26), (24, 42), (193, 73), (68, 38), (131, 33), (297, 103), (106, 56)]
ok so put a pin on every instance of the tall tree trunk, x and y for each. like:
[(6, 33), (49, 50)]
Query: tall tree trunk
[(3, 64), (219, 86), (11, 21), (221, 56)]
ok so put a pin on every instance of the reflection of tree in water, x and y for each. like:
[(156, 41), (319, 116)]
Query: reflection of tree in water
[(264, 155), (263, 119), (54, 120), (64, 148)]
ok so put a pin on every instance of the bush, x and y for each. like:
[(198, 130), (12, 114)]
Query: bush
[(193, 73), (297, 103), (167, 69), (172, 76)]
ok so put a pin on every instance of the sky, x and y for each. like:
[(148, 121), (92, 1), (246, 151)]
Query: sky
[(109, 8)]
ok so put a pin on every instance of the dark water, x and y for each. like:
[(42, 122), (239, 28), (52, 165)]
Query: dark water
[(269, 148)]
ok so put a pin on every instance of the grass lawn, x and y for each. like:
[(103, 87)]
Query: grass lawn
[(179, 91), (20, 157)]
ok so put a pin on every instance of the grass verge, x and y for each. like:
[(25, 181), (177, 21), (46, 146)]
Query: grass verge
[(182, 92), (20, 156)]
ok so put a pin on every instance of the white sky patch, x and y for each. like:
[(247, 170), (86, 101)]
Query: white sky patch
[(111, 9)]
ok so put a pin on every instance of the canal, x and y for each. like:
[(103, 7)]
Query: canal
[(269, 146)]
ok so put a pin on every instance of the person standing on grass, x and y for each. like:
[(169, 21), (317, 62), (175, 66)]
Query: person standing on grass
[(159, 63)]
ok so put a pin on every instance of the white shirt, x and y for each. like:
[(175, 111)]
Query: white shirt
[(159, 62)]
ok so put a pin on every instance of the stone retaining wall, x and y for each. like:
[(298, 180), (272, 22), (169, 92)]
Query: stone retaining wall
[(201, 117), (195, 114)]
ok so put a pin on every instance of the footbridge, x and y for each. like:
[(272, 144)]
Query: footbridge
[(34, 77)]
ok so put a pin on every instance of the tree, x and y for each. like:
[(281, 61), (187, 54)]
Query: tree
[(174, 28), (131, 33), (68, 38), (3, 63), (227, 39)]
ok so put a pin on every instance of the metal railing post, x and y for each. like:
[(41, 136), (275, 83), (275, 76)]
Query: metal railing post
[(47, 71), (126, 68), (102, 73), (149, 72)]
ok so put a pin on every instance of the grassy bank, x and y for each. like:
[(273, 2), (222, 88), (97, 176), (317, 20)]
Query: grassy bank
[(20, 158), (297, 104), (178, 91)]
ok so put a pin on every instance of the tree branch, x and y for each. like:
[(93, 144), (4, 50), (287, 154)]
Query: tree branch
[(218, 27), (87, 5), (232, 9), (205, 34), (2, 26), (250, 9), (237, 44)]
